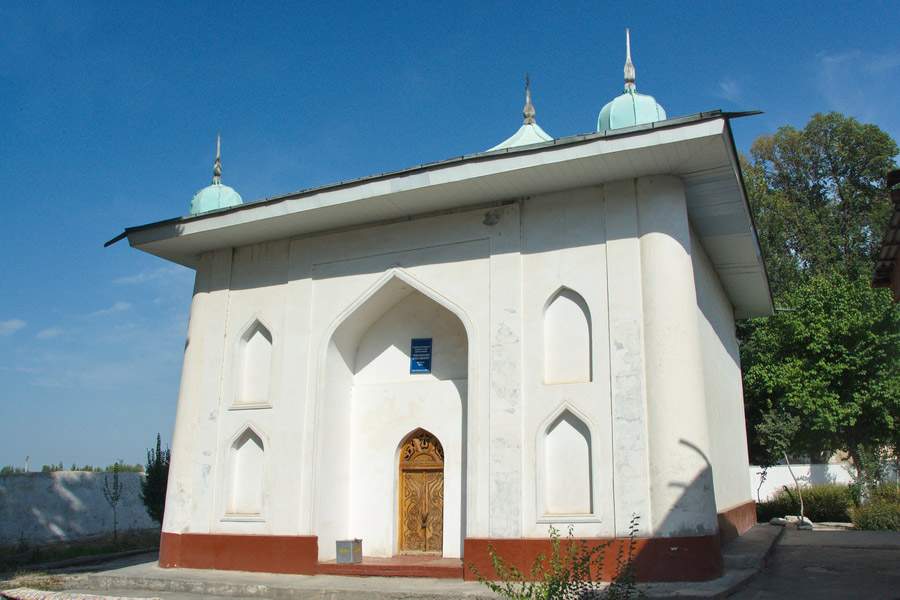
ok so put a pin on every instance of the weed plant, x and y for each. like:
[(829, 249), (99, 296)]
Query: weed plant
[(568, 573)]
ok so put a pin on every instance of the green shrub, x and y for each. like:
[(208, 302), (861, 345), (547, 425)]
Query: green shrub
[(828, 502), (889, 492), (825, 502), (878, 515)]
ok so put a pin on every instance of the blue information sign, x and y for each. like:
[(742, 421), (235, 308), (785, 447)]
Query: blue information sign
[(420, 356)]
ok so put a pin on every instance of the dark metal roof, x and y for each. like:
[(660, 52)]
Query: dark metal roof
[(478, 156)]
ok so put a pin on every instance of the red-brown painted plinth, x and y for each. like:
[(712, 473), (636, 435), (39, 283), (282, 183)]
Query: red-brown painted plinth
[(735, 521), (696, 558), (296, 555)]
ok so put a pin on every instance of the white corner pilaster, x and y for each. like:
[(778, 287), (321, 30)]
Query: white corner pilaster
[(682, 495), (505, 407), (626, 355)]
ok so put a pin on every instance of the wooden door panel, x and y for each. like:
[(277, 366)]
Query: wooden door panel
[(421, 523), (434, 501), (412, 503)]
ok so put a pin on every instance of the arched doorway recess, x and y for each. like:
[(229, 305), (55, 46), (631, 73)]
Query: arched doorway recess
[(421, 494), (371, 396)]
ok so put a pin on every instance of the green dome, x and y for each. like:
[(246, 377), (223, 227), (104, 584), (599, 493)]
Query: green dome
[(629, 109), (213, 197)]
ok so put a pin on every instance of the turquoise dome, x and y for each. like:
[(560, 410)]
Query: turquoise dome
[(628, 110), (213, 197), (530, 132)]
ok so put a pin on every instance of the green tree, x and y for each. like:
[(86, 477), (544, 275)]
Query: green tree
[(820, 205), (774, 435), (819, 197), (153, 487), (833, 361), (113, 493)]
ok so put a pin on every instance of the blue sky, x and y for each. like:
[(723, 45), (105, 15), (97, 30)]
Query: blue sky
[(109, 113)]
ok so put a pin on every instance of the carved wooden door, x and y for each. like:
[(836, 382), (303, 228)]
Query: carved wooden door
[(422, 494)]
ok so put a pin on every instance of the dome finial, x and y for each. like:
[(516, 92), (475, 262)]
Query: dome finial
[(530, 132), (528, 111), (217, 167), (216, 195), (629, 67)]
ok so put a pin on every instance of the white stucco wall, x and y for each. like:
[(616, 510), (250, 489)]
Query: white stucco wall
[(313, 297), (722, 384), (339, 311), (563, 251), (66, 506)]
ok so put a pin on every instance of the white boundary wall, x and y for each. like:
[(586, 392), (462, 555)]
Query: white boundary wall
[(806, 474), (65, 506)]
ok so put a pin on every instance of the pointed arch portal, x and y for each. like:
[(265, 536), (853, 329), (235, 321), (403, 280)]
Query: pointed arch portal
[(399, 491)]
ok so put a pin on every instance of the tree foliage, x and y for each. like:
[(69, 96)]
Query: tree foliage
[(153, 487), (774, 436), (831, 358), (818, 197)]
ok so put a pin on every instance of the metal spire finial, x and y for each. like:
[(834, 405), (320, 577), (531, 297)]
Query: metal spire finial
[(217, 167), (629, 67), (528, 111)]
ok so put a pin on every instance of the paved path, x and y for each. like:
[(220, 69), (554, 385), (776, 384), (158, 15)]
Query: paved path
[(802, 564), (135, 577), (829, 564)]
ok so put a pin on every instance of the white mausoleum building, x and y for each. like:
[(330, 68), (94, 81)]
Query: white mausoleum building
[(471, 351)]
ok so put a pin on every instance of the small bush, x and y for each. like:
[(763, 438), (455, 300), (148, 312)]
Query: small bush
[(828, 502), (878, 515), (888, 492), (825, 502)]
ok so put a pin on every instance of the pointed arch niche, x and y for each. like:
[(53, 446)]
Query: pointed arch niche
[(567, 338), (255, 365), (567, 481), (245, 484)]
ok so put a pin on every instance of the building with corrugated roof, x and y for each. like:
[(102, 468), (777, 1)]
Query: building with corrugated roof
[(469, 352)]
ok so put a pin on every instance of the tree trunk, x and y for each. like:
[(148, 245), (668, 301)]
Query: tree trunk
[(853, 451), (797, 483)]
